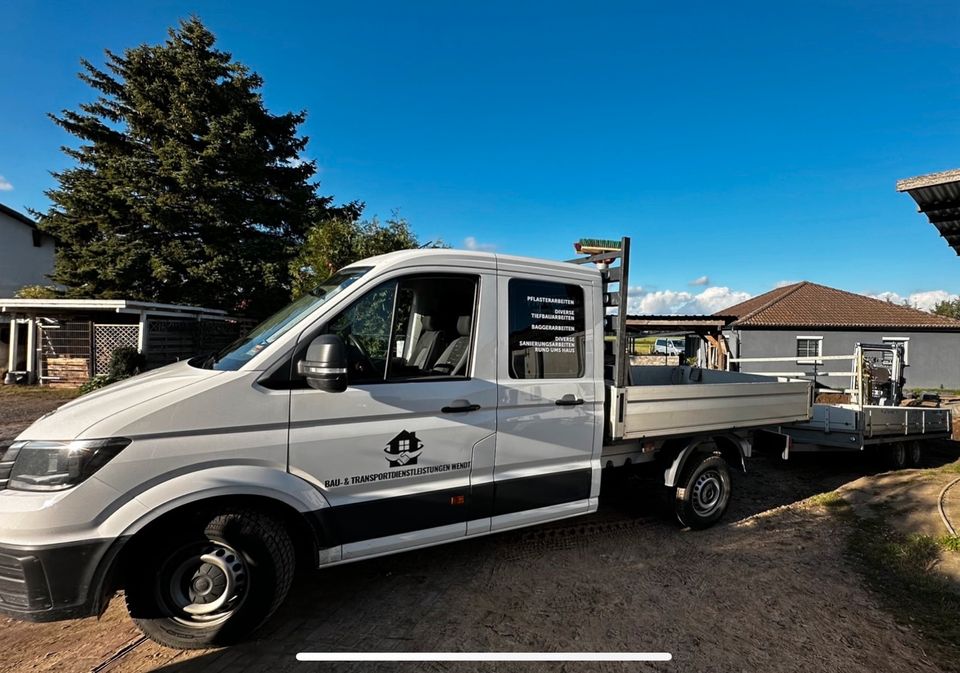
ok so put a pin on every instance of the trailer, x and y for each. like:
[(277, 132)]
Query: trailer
[(873, 416)]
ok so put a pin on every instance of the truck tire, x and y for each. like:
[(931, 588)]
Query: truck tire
[(896, 455), (212, 582), (704, 492), (915, 453)]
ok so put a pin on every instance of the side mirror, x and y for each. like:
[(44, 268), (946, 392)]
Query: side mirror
[(325, 365)]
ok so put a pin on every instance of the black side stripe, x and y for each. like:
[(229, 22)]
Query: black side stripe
[(372, 519), (517, 495)]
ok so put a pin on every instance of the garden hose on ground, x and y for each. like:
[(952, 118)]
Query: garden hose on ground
[(943, 511)]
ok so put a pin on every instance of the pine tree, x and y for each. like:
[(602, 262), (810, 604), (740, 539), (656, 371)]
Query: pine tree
[(186, 189)]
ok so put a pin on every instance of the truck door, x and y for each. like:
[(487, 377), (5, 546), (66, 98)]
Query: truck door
[(393, 452), (549, 401)]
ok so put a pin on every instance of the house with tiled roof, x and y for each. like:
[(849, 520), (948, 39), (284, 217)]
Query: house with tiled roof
[(806, 321)]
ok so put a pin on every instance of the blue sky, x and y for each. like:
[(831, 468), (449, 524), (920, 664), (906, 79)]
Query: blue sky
[(747, 143)]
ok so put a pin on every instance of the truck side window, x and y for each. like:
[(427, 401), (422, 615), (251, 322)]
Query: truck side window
[(417, 327), (365, 329), (433, 327), (547, 330)]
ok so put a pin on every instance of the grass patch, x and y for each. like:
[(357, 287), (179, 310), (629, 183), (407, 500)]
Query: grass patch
[(950, 468), (643, 345), (37, 393), (949, 542), (897, 568), (831, 500)]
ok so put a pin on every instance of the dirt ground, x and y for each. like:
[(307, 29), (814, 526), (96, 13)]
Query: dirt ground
[(19, 407), (769, 589)]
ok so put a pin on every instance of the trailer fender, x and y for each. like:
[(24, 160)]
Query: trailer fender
[(732, 448)]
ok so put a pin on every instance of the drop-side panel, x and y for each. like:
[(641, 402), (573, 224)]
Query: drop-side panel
[(657, 411), (885, 421), (850, 427), (828, 418)]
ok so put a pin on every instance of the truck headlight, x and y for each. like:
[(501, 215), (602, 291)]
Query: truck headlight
[(55, 466)]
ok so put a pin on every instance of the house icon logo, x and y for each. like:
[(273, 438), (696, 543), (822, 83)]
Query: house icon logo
[(404, 449)]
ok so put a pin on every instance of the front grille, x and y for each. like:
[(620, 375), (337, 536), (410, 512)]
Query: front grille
[(22, 583)]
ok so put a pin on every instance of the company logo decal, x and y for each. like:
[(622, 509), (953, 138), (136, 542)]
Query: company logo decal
[(404, 449)]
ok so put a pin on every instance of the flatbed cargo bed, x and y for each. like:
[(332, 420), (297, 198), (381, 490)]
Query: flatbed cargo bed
[(664, 401)]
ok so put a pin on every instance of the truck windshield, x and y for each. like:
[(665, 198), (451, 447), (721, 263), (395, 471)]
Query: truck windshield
[(260, 337)]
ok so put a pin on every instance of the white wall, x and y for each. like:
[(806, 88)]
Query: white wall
[(22, 263)]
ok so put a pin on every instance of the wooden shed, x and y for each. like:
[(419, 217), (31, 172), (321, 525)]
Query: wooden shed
[(67, 341)]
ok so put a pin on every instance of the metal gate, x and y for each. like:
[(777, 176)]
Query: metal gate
[(107, 339), (64, 351)]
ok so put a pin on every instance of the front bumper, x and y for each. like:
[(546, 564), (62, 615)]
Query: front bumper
[(51, 583)]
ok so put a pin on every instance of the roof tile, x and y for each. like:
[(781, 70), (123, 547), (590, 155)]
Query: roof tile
[(808, 304)]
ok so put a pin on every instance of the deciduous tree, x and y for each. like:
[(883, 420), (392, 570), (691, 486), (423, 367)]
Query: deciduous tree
[(338, 241), (948, 308)]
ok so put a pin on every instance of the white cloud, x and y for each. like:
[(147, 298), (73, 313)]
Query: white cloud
[(471, 243), (649, 301), (5, 185), (702, 280), (784, 283), (925, 301), (681, 302)]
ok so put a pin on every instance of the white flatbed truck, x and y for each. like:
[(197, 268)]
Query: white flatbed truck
[(413, 399)]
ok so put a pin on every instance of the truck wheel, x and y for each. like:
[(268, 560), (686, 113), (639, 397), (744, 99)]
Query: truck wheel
[(704, 493), (915, 454), (897, 456), (211, 583)]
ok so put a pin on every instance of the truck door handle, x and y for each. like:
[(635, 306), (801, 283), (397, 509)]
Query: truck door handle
[(569, 400), (459, 407)]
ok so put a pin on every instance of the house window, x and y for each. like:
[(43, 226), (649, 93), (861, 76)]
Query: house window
[(809, 347), (905, 341)]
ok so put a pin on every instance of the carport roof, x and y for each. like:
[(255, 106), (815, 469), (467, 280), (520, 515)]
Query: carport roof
[(40, 306), (938, 197), (684, 323)]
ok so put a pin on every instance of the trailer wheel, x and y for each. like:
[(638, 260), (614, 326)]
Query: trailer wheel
[(704, 493), (213, 582), (897, 456), (915, 454)]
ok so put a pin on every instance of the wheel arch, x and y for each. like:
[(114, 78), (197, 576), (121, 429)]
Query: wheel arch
[(732, 448), (172, 502)]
